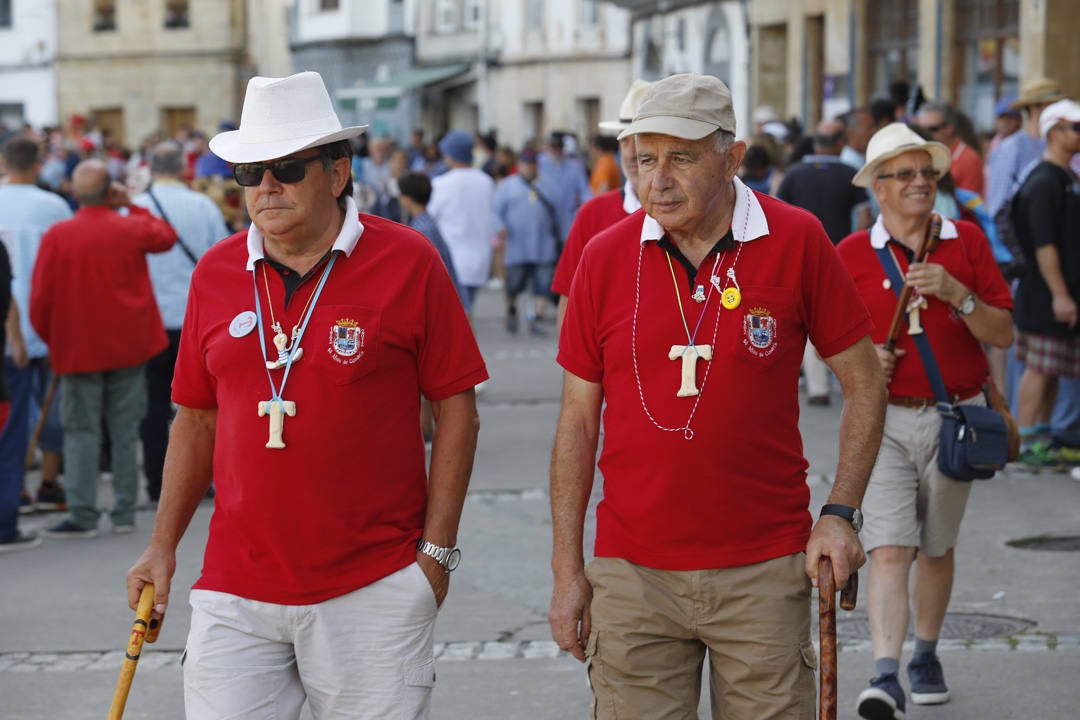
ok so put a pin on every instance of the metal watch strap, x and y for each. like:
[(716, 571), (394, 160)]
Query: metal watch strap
[(441, 555)]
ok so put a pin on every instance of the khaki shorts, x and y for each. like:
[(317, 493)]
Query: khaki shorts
[(908, 502), (651, 630)]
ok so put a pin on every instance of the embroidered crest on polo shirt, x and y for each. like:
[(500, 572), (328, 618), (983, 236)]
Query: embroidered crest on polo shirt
[(346, 341), (760, 327)]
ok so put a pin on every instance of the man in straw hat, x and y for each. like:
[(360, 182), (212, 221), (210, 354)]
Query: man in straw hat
[(606, 209), (1021, 149), (330, 547), (689, 320), (911, 509)]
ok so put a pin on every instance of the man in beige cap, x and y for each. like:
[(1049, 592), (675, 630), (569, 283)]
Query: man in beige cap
[(689, 321), (911, 508), (604, 210), (308, 341)]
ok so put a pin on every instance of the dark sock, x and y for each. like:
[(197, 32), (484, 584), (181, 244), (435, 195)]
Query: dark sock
[(924, 647), (886, 666)]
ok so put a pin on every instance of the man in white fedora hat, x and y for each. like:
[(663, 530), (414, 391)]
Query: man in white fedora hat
[(689, 321), (912, 510), (307, 343), (604, 210)]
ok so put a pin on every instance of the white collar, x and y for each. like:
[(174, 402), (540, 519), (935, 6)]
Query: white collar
[(879, 236), (348, 236), (747, 220), (630, 201)]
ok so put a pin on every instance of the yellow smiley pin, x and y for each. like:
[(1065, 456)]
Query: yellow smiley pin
[(731, 298)]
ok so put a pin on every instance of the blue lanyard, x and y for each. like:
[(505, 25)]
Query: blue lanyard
[(278, 391)]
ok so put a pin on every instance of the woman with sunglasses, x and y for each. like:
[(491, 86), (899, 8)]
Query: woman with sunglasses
[(912, 511)]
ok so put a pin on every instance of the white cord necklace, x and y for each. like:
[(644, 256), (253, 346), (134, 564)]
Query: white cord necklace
[(730, 299)]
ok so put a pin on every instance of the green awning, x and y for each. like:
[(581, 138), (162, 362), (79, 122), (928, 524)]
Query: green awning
[(397, 85)]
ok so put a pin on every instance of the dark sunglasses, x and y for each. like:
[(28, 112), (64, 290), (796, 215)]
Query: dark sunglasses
[(908, 174), (933, 128), (289, 170)]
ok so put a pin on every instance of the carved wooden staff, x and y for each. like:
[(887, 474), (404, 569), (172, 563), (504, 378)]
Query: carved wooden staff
[(143, 629), (926, 246), (827, 632)]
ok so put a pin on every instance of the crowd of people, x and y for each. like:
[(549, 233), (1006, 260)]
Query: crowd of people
[(785, 255)]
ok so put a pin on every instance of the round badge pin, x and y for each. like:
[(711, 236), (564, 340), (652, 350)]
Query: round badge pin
[(242, 324), (731, 298)]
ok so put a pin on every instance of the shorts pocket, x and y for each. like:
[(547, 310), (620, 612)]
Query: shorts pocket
[(809, 655), (420, 673)]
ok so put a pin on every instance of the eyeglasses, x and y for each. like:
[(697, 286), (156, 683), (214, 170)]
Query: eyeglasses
[(289, 170), (908, 174), (933, 128)]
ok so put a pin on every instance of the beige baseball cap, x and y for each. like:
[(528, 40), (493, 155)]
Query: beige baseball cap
[(688, 106)]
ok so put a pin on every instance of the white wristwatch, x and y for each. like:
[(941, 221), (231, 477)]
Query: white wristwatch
[(967, 305), (449, 558)]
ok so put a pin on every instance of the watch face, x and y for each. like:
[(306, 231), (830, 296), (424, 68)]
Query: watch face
[(857, 520), (453, 560)]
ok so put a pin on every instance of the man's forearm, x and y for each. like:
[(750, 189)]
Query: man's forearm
[(862, 420), (573, 463), (1049, 261), (453, 447)]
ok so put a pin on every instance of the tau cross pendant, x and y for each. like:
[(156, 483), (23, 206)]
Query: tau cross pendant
[(689, 355), (277, 409), (914, 307)]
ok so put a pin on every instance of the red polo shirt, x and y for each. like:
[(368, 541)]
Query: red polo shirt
[(343, 503), (966, 255), (595, 216), (967, 167), (735, 492), (91, 300)]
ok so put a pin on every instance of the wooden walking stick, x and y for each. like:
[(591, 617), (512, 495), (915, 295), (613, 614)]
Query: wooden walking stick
[(926, 246), (827, 632), (143, 629), (31, 447)]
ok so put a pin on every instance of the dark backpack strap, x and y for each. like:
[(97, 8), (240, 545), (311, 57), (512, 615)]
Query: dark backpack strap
[(550, 208), (179, 240)]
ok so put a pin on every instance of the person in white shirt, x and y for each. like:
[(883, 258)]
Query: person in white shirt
[(461, 205)]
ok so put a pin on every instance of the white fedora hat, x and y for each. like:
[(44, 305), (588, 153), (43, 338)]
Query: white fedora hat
[(628, 109), (282, 116), (896, 139)]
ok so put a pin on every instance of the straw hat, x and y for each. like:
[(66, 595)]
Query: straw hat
[(628, 108), (1039, 91), (282, 116), (893, 140)]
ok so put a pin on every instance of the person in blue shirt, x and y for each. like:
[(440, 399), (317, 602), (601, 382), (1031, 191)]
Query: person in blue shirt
[(526, 218)]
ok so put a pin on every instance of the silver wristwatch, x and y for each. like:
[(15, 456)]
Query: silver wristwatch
[(967, 305), (449, 558)]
